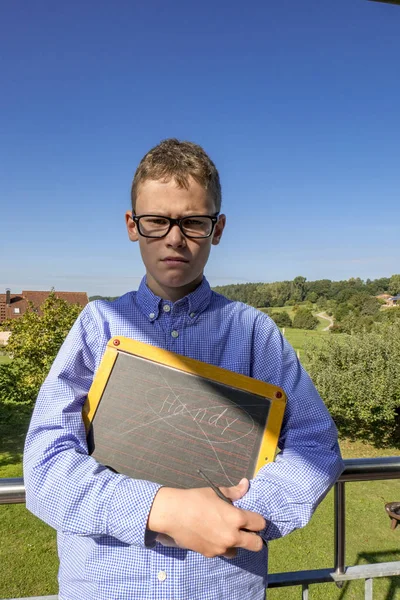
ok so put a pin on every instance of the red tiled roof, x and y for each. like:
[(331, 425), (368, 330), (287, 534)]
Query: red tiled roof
[(37, 298), (20, 302)]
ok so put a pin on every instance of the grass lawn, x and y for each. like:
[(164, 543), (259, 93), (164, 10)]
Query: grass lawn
[(4, 359), (299, 337), (28, 549)]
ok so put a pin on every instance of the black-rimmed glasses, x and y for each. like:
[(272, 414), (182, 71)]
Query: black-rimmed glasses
[(192, 226)]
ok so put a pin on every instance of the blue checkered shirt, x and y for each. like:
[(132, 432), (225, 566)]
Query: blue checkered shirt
[(101, 516)]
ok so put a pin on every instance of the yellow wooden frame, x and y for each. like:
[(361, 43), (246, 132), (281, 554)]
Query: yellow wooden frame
[(275, 395)]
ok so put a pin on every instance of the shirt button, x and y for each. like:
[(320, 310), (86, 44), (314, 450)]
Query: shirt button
[(166, 308), (152, 315), (192, 315), (161, 576), (174, 334)]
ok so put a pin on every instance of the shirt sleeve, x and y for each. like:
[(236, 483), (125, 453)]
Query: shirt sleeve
[(65, 487), (287, 491)]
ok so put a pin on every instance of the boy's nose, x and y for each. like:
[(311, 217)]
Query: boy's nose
[(175, 237)]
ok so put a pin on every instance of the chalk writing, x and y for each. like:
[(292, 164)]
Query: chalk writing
[(196, 415)]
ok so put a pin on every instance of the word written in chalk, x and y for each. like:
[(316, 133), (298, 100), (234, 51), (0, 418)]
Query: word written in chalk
[(172, 405)]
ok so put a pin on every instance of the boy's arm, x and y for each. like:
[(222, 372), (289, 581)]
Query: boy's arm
[(65, 487), (287, 491), (70, 491)]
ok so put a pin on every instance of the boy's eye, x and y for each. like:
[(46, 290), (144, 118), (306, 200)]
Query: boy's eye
[(155, 221), (193, 222)]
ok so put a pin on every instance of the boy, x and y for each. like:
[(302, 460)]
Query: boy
[(120, 538)]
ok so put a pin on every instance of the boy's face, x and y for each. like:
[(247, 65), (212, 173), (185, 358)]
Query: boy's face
[(175, 263)]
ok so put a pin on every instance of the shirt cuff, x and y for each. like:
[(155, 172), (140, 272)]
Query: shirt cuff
[(129, 512), (280, 517)]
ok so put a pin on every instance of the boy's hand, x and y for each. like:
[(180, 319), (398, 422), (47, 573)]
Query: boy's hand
[(198, 520), (233, 493)]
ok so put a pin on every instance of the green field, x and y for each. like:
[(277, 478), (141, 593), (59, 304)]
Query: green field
[(4, 359), (299, 337), (28, 547)]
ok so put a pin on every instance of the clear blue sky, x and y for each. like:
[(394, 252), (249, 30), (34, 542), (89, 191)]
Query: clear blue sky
[(297, 102)]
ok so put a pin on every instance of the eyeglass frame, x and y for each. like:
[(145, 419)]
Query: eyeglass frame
[(172, 222)]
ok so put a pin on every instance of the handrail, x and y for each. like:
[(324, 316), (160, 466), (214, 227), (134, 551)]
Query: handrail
[(371, 469), (12, 491)]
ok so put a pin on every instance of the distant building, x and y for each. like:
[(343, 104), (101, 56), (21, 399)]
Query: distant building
[(394, 300), (383, 297), (389, 300), (13, 306)]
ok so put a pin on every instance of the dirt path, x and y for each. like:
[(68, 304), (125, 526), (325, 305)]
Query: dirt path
[(328, 318)]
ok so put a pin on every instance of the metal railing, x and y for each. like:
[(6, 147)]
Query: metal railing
[(12, 491)]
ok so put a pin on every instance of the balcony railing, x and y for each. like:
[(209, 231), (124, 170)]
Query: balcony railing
[(12, 491)]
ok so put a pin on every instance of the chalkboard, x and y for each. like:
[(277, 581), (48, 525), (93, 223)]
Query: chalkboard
[(155, 415)]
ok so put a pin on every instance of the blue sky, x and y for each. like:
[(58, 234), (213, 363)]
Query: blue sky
[(296, 102)]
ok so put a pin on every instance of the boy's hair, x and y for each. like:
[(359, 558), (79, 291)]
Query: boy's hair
[(178, 160)]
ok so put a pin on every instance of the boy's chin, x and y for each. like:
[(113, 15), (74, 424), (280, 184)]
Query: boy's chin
[(176, 284), (180, 283)]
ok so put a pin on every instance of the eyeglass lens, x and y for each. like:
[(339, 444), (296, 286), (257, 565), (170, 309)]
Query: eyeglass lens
[(155, 226)]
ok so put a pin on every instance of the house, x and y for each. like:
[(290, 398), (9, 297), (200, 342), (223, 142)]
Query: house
[(394, 300), (13, 306), (384, 297), (389, 300)]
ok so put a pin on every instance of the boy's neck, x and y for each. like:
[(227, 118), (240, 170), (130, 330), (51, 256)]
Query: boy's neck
[(172, 294)]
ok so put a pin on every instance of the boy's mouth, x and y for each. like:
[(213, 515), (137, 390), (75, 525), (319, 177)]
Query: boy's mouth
[(174, 260)]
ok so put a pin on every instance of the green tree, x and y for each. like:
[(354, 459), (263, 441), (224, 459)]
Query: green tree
[(394, 285), (358, 377), (282, 318), (391, 315), (298, 289), (35, 340), (312, 297), (304, 319)]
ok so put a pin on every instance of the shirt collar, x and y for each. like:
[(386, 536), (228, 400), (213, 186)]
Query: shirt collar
[(193, 304)]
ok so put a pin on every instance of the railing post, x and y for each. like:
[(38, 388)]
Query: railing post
[(368, 589), (340, 530)]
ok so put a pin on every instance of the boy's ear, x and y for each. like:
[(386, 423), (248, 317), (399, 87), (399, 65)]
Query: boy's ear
[(131, 227), (219, 228)]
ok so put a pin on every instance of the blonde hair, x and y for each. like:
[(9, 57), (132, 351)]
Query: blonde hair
[(178, 160)]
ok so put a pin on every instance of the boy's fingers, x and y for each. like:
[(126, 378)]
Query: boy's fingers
[(236, 491), (253, 521), (250, 541)]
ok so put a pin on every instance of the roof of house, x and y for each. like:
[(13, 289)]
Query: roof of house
[(37, 298), (395, 297), (21, 302)]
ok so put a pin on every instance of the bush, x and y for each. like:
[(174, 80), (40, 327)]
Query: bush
[(358, 377), (35, 340), (282, 319), (304, 319)]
